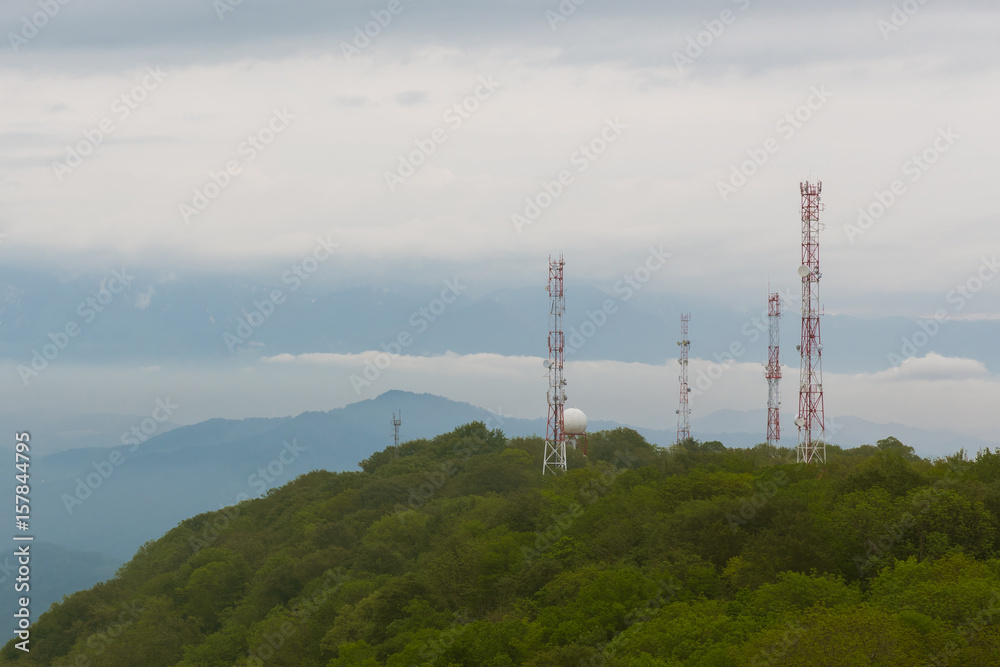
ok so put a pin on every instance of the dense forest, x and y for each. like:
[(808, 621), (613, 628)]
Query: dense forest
[(457, 551)]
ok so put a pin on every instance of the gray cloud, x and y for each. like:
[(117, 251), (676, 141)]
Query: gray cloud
[(411, 97), (763, 34), (688, 131)]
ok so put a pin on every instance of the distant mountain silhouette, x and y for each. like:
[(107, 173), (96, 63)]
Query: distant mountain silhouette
[(112, 499)]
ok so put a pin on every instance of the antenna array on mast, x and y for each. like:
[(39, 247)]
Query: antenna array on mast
[(811, 418), (773, 370), (684, 410), (555, 435), (397, 421)]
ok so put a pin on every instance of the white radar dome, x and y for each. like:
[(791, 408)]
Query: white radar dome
[(574, 421)]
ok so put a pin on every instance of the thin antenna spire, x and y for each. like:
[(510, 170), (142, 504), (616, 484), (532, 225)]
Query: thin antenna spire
[(684, 410), (772, 371)]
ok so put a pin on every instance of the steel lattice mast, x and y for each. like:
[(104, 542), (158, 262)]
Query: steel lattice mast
[(811, 418), (555, 436), (684, 410), (773, 370)]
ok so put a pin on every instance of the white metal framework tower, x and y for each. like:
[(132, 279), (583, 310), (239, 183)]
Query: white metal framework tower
[(397, 421), (773, 370), (555, 435), (811, 418), (684, 410)]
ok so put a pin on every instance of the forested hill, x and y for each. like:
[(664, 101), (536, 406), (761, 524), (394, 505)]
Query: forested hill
[(457, 551)]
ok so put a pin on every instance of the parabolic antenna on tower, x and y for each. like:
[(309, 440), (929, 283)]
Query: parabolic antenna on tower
[(574, 421)]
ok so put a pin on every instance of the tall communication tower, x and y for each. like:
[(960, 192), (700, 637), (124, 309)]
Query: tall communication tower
[(811, 418), (397, 421), (555, 435), (684, 410), (773, 370)]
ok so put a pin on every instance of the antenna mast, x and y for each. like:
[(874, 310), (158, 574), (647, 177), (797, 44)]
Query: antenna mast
[(811, 415), (555, 435), (684, 410), (397, 421), (773, 370)]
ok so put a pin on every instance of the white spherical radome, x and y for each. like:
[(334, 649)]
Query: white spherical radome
[(574, 421)]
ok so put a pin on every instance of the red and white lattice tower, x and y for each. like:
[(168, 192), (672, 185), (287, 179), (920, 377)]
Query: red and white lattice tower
[(811, 418), (773, 370), (684, 410), (555, 434)]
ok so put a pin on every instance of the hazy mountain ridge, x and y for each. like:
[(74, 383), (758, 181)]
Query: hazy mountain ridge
[(458, 550), (54, 430), (196, 468), (199, 468)]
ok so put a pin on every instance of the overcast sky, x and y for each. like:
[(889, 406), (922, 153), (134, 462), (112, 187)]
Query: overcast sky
[(119, 117)]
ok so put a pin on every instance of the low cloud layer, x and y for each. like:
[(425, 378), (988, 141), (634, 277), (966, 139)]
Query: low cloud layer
[(474, 139)]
